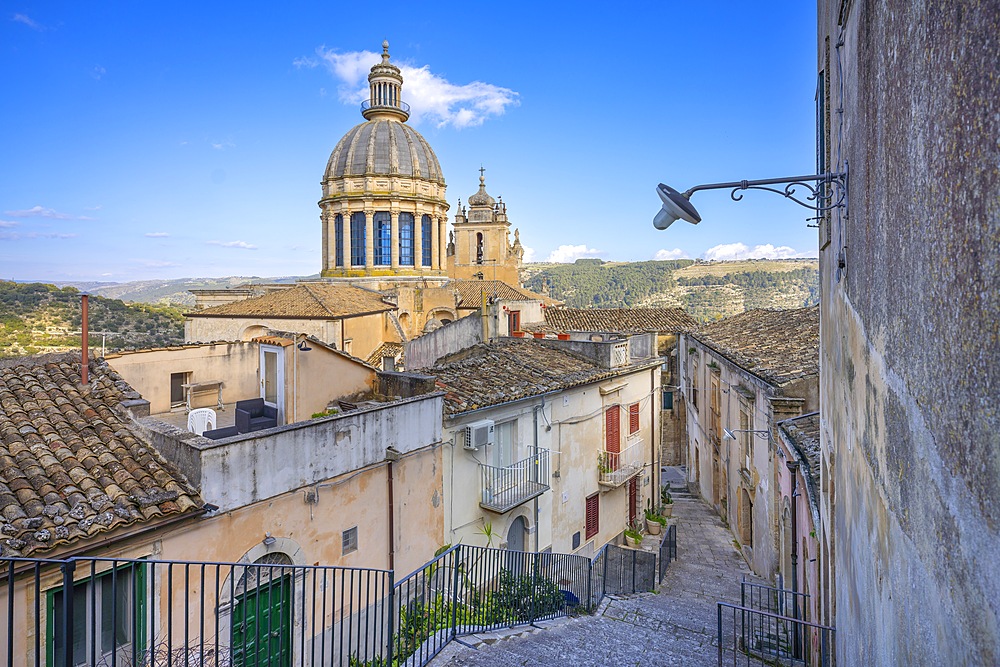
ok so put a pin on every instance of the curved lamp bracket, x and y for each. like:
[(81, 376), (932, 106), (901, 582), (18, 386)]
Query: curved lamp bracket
[(822, 193)]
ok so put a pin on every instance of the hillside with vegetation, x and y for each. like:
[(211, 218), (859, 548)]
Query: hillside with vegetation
[(36, 317), (170, 292), (706, 290)]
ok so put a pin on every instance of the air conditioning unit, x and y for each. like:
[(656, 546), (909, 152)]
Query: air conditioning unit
[(479, 434)]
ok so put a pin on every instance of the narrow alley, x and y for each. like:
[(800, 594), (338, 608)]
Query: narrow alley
[(675, 626)]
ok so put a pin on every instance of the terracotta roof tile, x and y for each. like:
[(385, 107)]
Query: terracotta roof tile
[(615, 320), (508, 370), (70, 465), (470, 293), (776, 345), (387, 349), (304, 301)]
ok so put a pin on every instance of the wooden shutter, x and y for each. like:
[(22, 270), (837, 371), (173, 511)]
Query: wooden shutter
[(593, 515), (633, 499), (612, 433), (633, 418)]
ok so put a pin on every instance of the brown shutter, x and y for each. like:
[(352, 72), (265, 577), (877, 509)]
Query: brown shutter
[(593, 515), (612, 435), (633, 499), (633, 418)]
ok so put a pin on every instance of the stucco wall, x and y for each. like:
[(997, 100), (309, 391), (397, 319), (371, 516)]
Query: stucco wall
[(452, 337), (571, 427), (238, 471), (149, 372), (244, 328), (909, 332), (765, 405)]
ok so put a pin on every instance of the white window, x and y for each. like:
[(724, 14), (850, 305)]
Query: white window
[(505, 445), (349, 541)]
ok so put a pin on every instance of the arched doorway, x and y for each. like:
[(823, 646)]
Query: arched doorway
[(262, 612), (515, 534)]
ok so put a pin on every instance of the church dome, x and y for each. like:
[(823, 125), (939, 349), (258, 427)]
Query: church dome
[(384, 146), (482, 198)]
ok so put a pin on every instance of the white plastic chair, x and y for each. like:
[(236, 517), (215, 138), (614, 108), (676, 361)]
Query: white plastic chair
[(201, 420)]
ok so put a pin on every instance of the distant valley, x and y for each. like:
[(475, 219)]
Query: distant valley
[(38, 317)]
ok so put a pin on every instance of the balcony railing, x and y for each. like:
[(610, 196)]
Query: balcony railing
[(616, 468), (506, 487)]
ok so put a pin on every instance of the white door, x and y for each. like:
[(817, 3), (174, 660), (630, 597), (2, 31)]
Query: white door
[(272, 378), (504, 449)]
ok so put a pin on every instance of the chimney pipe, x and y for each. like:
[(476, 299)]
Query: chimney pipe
[(85, 332)]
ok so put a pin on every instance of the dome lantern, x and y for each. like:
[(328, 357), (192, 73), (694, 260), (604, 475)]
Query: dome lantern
[(385, 84)]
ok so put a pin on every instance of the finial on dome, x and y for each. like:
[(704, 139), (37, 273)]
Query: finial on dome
[(385, 50), (482, 177)]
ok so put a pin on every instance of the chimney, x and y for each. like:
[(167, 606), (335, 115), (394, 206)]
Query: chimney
[(85, 334)]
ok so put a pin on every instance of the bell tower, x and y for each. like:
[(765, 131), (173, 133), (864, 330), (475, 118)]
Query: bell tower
[(481, 248)]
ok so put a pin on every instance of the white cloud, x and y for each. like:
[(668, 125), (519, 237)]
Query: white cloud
[(222, 145), (676, 253), (731, 251), (98, 72), (565, 254), (233, 244), (157, 235), (17, 236), (9, 223), (429, 95), (42, 212), (529, 254), (27, 20)]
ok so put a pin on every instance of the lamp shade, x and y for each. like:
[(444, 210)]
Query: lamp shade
[(675, 207)]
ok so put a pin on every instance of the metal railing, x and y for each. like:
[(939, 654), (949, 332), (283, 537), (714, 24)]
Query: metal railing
[(367, 104), (126, 613), (755, 637), (160, 613), (506, 487), (779, 601), (668, 549), (616, 468)]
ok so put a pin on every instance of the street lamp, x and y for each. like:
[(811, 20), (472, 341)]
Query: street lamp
[(728, 434), (826, 192)]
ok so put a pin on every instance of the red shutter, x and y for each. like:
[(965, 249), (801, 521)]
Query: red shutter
[(593, 515), (612, 435), (633, 499), (633, 418)]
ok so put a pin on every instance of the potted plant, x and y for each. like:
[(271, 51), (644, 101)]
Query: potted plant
[(603, 465), (517, 334), (633, 537), (654, 522), (666, 502), (539, 334)]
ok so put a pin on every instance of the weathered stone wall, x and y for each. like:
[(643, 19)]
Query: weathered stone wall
[(909, 330), (458, 335)]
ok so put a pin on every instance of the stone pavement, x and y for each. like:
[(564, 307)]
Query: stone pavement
[(675, 626)]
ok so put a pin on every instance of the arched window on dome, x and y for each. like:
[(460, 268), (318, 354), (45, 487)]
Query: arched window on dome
[(338, 239), (383, 238), (425, 240), (358, 238), (406, 239)]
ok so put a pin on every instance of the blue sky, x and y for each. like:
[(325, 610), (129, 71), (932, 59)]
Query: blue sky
[(161, 140)]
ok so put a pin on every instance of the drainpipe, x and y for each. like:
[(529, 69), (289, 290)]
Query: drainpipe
[(657, 410), (391, 455), (85, 331), (793, 467), (534, 418)]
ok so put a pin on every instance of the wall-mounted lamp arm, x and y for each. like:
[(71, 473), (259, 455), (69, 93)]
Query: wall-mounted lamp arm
[(826, 192), (820, 198)]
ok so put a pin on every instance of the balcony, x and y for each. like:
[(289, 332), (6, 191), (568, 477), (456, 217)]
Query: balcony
[(504, 488), (616, 468)]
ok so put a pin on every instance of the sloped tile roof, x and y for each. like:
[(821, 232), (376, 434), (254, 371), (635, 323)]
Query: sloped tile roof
[(388, 349), (470, 292), (71, 467), (304, 301), (615, 320), (510, 369), (776, 345), (803, 433)]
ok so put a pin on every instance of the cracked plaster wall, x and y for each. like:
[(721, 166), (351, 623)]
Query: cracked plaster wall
[(909, 332)]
